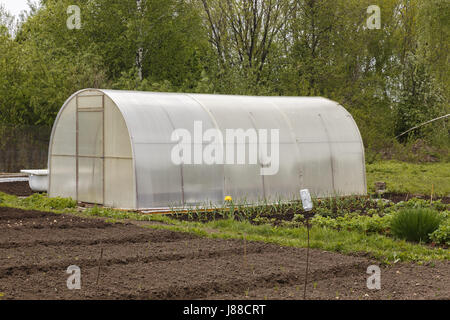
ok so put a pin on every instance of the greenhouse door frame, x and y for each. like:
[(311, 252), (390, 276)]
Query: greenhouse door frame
[(90, 164)]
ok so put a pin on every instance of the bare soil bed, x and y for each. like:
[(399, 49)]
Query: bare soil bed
[(141, 263), (20, 188)]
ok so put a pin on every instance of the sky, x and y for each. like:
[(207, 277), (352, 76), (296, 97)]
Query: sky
[(15, 6)]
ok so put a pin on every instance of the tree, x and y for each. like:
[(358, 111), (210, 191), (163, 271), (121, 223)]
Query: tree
[(244, 33)]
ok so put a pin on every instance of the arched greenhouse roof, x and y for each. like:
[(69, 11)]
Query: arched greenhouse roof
[(115, 148)]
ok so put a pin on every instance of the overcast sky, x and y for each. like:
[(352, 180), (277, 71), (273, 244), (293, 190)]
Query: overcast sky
[(15, 6)]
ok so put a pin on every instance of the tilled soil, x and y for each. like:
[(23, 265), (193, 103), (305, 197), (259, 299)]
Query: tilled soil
[(19, 188), (36, 248)]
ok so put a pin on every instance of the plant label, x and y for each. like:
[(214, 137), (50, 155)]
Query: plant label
[(306, 199)]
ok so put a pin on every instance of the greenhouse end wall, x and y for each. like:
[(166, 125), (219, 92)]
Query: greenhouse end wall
[(114, 148), (90, 156)]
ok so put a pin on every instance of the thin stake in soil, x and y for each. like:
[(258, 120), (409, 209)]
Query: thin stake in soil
[(245, 253), (99, 265), (307, 260), (432, 189)]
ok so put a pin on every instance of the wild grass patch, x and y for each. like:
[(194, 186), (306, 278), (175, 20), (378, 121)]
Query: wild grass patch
[(412, 178)]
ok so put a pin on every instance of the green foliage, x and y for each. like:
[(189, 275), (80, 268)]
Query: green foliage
[(352, 222), (389, 79), (46, 62), (415, 224), (442, 234), (41, 201)]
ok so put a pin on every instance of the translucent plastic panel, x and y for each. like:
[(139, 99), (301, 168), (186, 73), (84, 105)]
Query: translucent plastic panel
[(90, 92), (348, 165), (304, 114), (120, 184), (286, 184), (90, 180), (308, 127), (117, 139), (227, 111), (200, 181), (340, 125), (266, 115), (158, 179), (64, 138), (94, 101), (90, 134), (323, 131), (316, 172), (202, 184), (145, 119), (62, 177), (241, 181)]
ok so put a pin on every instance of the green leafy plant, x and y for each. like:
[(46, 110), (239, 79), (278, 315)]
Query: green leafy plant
[(354, 222), (442, 234), (415, 224)]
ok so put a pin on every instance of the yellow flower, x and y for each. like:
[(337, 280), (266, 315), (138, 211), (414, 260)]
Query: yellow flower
[(228, 198)]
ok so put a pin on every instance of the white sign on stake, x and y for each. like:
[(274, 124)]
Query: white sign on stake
[(306, 199)]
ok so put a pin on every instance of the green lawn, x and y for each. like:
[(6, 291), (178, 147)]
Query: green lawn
[(402, 177)]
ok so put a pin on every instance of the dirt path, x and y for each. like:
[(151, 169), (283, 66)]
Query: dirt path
[(140, 263)]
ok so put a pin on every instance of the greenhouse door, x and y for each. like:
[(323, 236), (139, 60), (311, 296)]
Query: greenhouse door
[(90, 148)]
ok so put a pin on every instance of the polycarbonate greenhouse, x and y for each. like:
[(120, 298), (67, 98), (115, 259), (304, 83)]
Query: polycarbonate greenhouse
[(115, 148)]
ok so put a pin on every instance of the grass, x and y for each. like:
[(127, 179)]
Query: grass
[(402, 177), (416, 224)]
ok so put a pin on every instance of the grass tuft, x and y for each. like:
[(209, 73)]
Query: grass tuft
[(415, 224)]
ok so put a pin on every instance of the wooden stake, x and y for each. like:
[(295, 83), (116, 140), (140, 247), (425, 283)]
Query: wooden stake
[(99, 264)]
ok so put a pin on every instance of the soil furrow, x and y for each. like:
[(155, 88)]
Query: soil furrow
[(28, 269), (87, 242), (79, 225)]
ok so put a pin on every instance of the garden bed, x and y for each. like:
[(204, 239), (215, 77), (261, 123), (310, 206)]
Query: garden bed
[(141, 263), (17, 188)]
